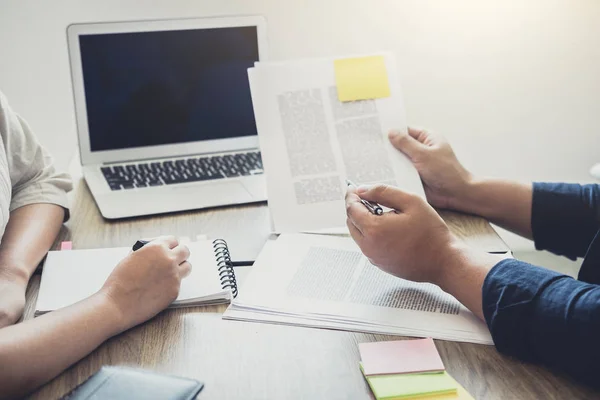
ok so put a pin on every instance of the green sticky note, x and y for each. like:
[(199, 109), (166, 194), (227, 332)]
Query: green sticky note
[(408, 386), (361, 78)]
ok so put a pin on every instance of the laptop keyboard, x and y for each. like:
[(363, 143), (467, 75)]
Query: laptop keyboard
[(186, 170)]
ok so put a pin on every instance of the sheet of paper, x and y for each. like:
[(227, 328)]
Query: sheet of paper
[(71, 276), (311, 142), (400, 357), (411, 385), (341, 231), (361, 78), (325, 281)]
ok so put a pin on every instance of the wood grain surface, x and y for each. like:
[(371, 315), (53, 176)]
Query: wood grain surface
[(242, 360)]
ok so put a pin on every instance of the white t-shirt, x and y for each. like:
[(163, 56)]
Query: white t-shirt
[(27, 174)]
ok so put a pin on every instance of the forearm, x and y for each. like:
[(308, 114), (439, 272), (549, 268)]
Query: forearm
[(35, 351), (463, 275), (530, 310), (30, 233), (505, 203)]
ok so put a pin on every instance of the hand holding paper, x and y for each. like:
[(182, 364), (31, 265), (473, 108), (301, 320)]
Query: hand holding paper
[(311, 141), (445, 179)]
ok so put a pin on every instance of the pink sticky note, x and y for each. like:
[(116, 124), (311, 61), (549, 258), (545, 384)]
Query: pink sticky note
[(400, 357), (66, 245)]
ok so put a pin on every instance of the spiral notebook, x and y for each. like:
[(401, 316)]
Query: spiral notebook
[(71, 276)]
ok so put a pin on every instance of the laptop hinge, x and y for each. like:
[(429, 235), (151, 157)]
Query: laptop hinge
[(185, 156)]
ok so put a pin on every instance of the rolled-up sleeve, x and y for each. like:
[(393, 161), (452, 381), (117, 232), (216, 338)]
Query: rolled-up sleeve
[(542, 316), (32, 174), (565, 217)]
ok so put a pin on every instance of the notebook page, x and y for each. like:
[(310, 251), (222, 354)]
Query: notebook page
[(71, 276), (204, 278)]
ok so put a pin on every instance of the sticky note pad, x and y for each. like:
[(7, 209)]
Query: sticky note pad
[(400, 357), (407, 386), (461, 394), (66, 246), (361, 78)]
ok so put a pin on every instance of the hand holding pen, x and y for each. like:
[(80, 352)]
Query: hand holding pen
[(373, 207)]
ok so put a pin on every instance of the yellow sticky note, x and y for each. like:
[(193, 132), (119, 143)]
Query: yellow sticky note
[(361, 78), (461, 394), (408, 386), (424, 386)]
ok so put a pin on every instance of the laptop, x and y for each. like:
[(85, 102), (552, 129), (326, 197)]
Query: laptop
[(164, 115)]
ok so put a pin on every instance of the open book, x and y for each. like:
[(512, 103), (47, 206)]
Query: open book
[(325, 282), (71, 276)]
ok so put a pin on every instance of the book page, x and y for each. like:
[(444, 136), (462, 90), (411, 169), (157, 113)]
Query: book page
[(326, 281), (311, 142), (358, 281)]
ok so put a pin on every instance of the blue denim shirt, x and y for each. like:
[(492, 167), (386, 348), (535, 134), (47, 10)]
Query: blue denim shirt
[(542, 316)]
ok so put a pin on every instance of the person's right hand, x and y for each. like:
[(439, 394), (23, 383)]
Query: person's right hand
[(147, 280), (444, 178)]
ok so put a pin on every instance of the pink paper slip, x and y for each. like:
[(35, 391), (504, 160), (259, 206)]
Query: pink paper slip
[(400, 357)]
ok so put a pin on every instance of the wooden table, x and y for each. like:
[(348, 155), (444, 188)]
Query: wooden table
[(241, 360)]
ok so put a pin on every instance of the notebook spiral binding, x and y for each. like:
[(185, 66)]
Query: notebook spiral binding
[(225, 266)]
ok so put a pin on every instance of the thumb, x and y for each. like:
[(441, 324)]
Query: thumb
[(406, 143), (387, 196)]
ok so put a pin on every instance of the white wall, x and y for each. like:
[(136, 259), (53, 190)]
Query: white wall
[(514, 84)]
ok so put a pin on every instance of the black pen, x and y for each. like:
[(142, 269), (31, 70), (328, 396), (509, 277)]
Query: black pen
[(139, 244), (371, 206)]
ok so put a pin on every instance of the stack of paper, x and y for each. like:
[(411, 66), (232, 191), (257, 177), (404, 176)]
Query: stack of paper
[(320, 122), (408, 369), (325, 282)]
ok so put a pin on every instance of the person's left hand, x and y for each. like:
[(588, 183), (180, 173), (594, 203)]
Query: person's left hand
[(412, 243)]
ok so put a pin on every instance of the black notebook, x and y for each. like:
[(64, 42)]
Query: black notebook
[(120, 383), (212, 280)]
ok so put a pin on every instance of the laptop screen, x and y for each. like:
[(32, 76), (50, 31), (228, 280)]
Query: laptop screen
[(168, 87)]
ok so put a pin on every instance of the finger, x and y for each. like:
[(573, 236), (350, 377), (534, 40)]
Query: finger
[(185, 268), (423, 136), (356, 235), (170, 241), (354, 231), (182, 253), (407, 144), (356, 210), (387, 195)]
